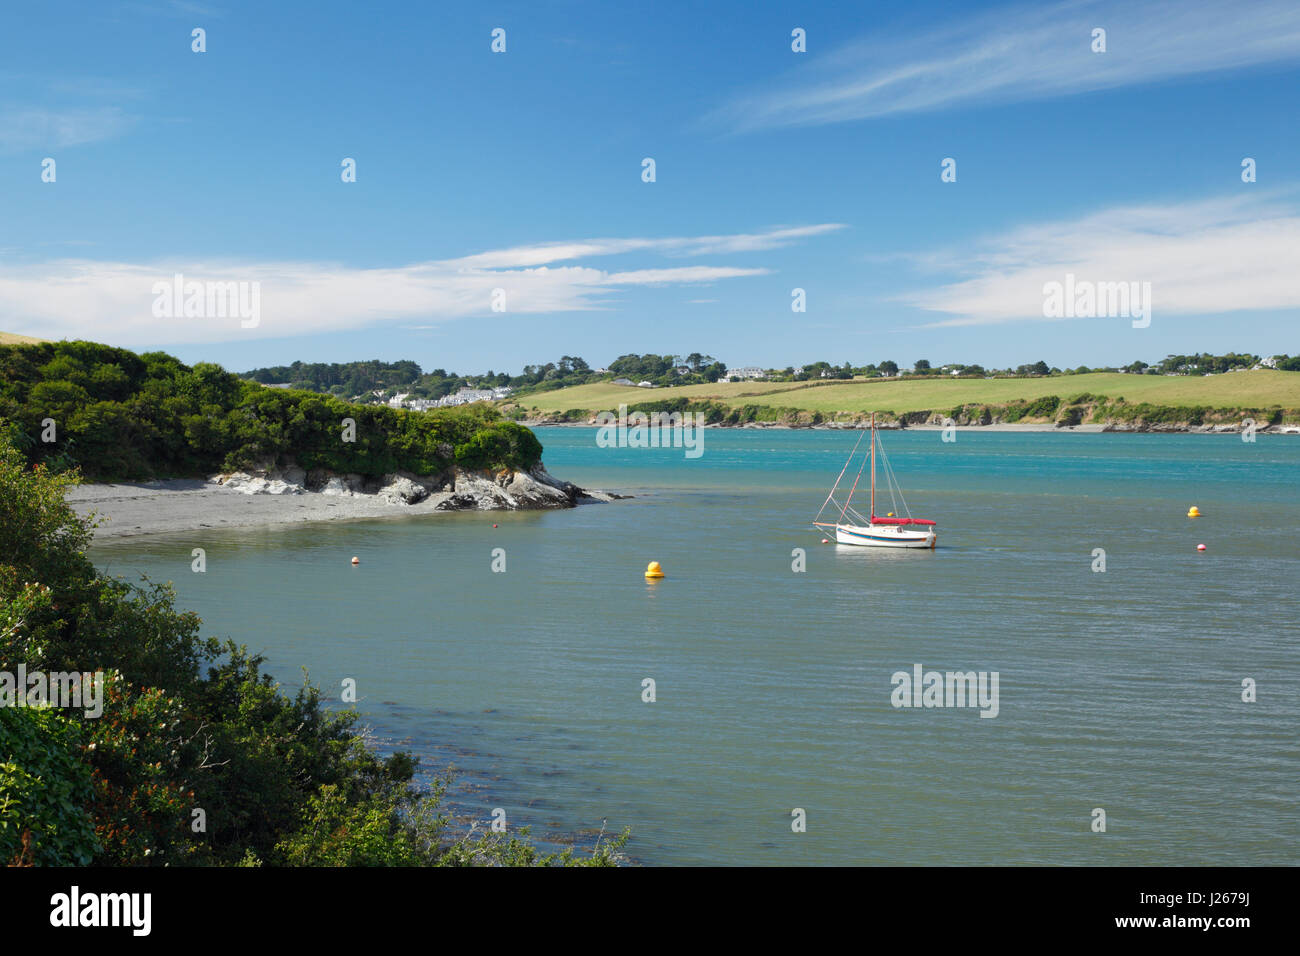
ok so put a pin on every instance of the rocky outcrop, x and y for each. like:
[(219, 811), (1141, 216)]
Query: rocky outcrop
[(457, 490)]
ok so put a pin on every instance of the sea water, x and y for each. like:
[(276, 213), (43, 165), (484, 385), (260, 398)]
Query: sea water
[(1163, 690)]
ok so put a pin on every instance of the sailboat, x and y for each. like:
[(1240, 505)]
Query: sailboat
[(852, 527)]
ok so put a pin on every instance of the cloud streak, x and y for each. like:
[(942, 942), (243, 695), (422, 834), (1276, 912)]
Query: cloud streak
[(112, 301), (39, 129), (1215, 256), (1024, 53)]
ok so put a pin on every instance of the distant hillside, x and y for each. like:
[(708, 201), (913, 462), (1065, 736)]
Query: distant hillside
[(1265, 394), (13, 338)]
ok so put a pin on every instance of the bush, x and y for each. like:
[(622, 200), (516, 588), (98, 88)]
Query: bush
[(1072, 415), (123, 416), (45, 789), (277, 779)]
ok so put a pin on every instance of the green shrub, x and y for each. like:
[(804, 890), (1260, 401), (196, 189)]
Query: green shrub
[(190, 723), (45, 789), (123, 416)]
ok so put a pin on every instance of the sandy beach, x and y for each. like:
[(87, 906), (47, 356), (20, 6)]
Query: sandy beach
[(158, 507)]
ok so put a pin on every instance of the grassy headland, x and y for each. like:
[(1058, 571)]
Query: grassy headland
[(13, 338), (1100, 397)]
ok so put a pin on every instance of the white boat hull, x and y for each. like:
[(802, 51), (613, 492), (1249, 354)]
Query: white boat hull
[(884, 536)]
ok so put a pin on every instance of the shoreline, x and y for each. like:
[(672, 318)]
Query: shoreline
[(1026, 428), (176, 505)]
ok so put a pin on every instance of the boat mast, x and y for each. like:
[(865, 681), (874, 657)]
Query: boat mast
[(873, 466)]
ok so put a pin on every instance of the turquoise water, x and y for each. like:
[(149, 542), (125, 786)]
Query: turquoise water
[(1119, 690)]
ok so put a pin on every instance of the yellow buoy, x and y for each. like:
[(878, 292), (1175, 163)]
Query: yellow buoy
[(1193, 512), (652, 570)]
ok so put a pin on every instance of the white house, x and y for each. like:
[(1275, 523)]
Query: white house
[(746, 373), (464, 396)]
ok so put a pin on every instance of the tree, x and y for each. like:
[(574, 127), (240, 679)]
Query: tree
[(922, 365), (889, 367)]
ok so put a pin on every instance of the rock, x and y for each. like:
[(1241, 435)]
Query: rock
[(334, 485), (398, 489), (457, 490), (476, 492), (539, 489), (257, 484)]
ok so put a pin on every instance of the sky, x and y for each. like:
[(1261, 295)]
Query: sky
[(500, 213)]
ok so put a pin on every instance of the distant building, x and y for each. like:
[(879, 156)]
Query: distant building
[(464, 396), (749, 372), (645, 385)]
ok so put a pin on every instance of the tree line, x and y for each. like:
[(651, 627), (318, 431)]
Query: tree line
[(119, 415)]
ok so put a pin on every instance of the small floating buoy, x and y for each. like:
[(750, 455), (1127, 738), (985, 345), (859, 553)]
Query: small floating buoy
[(890, 515), (494, 526), (1193, 512), (826, 540), (652, 570), (1200, 547), (356, 560)]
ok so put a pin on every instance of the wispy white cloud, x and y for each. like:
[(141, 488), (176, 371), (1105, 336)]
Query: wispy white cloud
[(37, 129), (1021, 53), (113, 301), (544, 253), (1215, 256)]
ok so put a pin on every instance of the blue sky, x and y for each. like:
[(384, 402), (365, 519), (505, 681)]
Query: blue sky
[(774, 170)]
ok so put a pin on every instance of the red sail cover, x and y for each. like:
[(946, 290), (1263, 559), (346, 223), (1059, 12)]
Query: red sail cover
[(875, 520)]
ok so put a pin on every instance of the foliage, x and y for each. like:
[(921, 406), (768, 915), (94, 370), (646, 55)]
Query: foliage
[(125, 416), (191, 728), (44, 789)]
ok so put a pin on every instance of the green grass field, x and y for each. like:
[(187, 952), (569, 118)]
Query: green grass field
[(1254, 389)]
